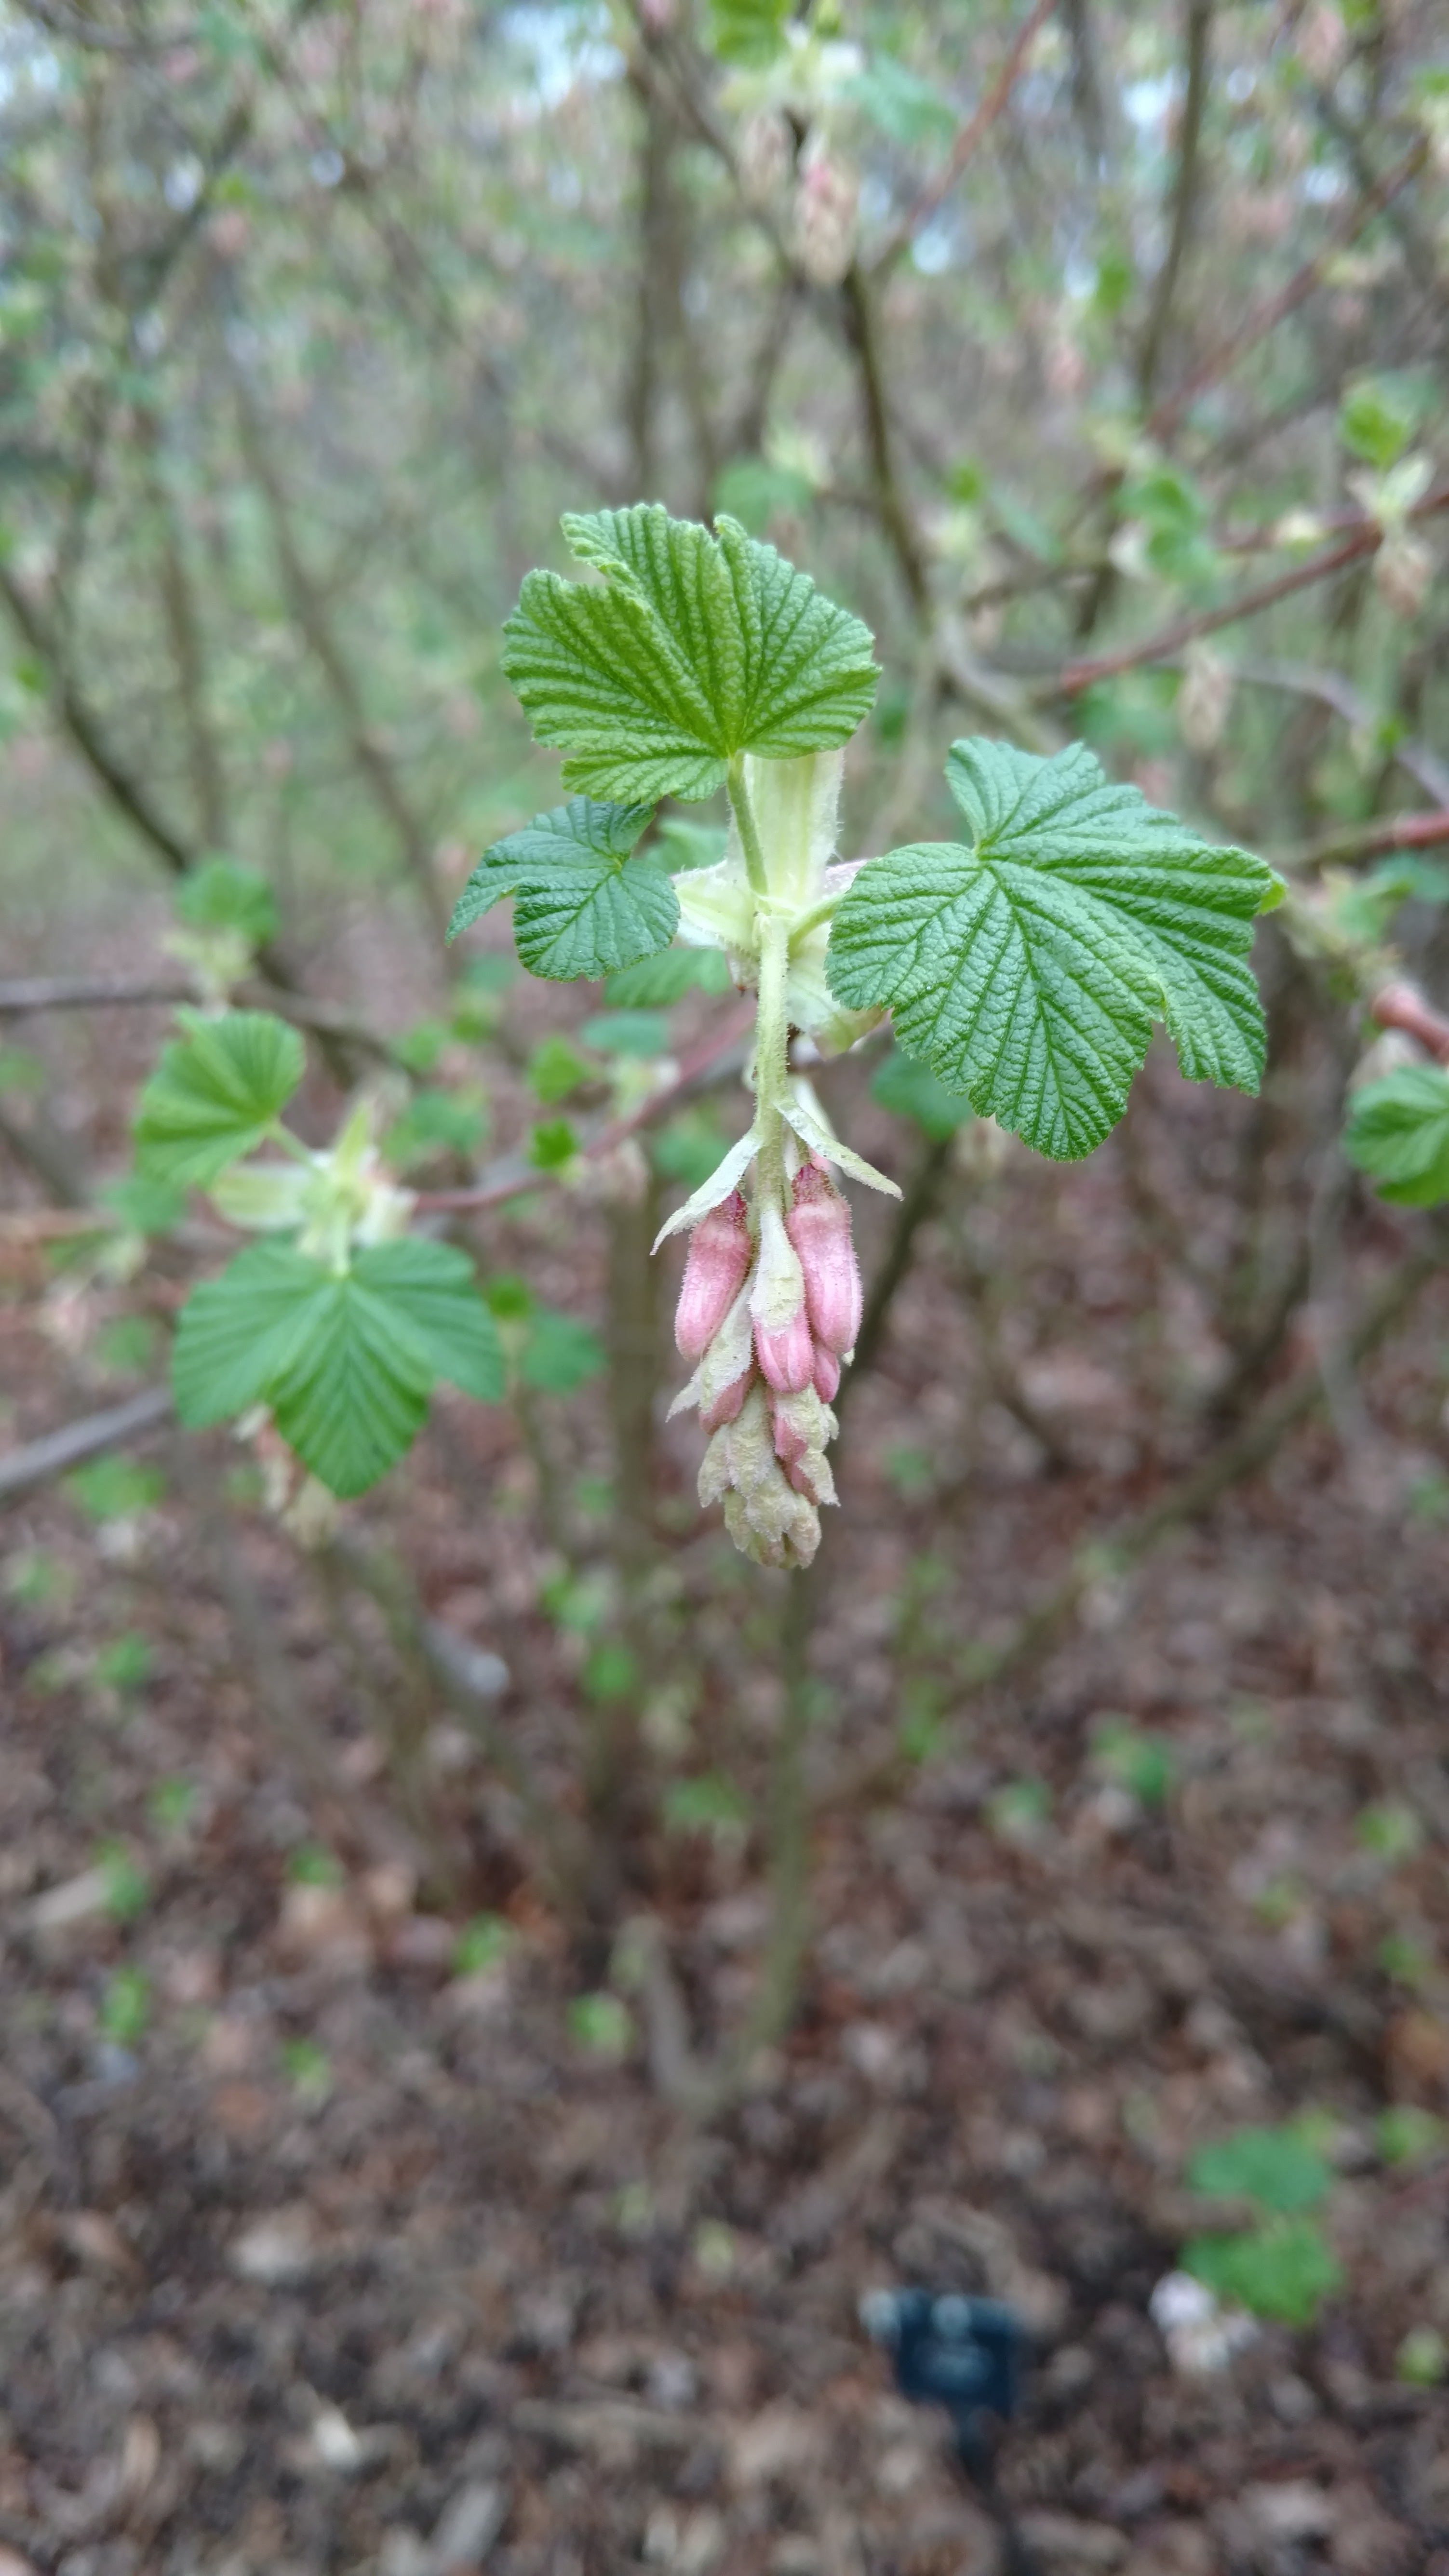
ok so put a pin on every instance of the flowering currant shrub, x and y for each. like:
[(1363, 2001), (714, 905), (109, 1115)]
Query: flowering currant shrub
[(1025, 963)]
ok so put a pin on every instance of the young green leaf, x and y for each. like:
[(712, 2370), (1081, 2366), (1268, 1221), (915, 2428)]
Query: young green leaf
[(215, 1094), (695, 647), (747, 33), (223, 894), (346, 1361), (912, 1090), (657, 981), (1028, 968), (559, 1353), (1398, 1131), (1275, 2167), (1283, 2270), (582, 904)]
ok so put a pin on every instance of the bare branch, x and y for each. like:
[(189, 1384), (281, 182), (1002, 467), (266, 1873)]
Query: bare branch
[(1366, 540), (1184, 199), (918, 214), (58, 1451)]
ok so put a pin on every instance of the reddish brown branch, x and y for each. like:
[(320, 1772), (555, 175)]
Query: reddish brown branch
[(1365, 540), (936, 191), (1164, 420), (512, 1184), (1400, 1006), (1374, 840)]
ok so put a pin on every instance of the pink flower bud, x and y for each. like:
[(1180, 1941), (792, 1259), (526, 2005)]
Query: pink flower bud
[(819, 1228), (725, 1407), (791, 1437), (827, 1374), (786, 1354), (783, 1342), (719, 1257)]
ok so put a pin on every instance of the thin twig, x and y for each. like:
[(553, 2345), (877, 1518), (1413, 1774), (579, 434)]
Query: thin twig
[(1076, 676), (88, 992), (57, 1451), (1235, 1459), (1300, 286), (1373, 839), (1399, 1006), (1303, 679), (918, 214), (1184, 200), (512, 1180)]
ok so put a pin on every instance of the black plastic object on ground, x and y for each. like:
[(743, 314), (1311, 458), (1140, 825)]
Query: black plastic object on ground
[(967, 2355)]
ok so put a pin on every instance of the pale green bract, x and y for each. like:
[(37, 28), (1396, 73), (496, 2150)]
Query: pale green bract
[(1027, 969), (694, 648), (582, 904), (215, 1095), (345, 1361)]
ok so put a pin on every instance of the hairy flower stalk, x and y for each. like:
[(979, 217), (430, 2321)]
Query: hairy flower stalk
[(770, 1303)]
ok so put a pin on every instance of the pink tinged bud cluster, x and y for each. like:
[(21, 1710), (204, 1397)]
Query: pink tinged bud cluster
[(768, 1315)]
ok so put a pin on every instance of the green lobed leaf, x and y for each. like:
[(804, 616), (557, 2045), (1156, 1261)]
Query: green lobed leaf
[(657, 981), (1275, 2167), (582, 904), (1284, 2270), (748, 33), (215, 1094), (1398, 1132), (911, 111), (1027, 969), (693, 647), (912, 1090), (346, 1360), (559, 1353), (224, 894), (627, 1033)]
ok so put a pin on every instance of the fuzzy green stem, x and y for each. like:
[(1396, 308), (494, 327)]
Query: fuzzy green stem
[(772, 1044), (805, 922), (290, 1144), (744, 814)]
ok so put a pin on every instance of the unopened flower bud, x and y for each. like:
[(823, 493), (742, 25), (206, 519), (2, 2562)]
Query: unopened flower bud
[(714, 1274), (765, 1515), (825, 212), (1403, 569), (827, 1374), (819, 1228), (802, 1425), (783, 1343)]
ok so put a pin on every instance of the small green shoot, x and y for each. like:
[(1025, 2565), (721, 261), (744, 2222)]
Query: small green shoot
[(1284, 2267), (1142, 1764), (173, 1804), (1389, 1830), (128, 1889), (482, 1945), (1019, 1811), (308, 2069), (125, 1662), (602, 2025), (312, 1865), (1422, 2360), (115, 1489), (1406, 2135), (125, 2008), (709, 1805)]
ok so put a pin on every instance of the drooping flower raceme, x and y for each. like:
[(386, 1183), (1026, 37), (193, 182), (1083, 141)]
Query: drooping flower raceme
[(1024, 963), (770, 1304)]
